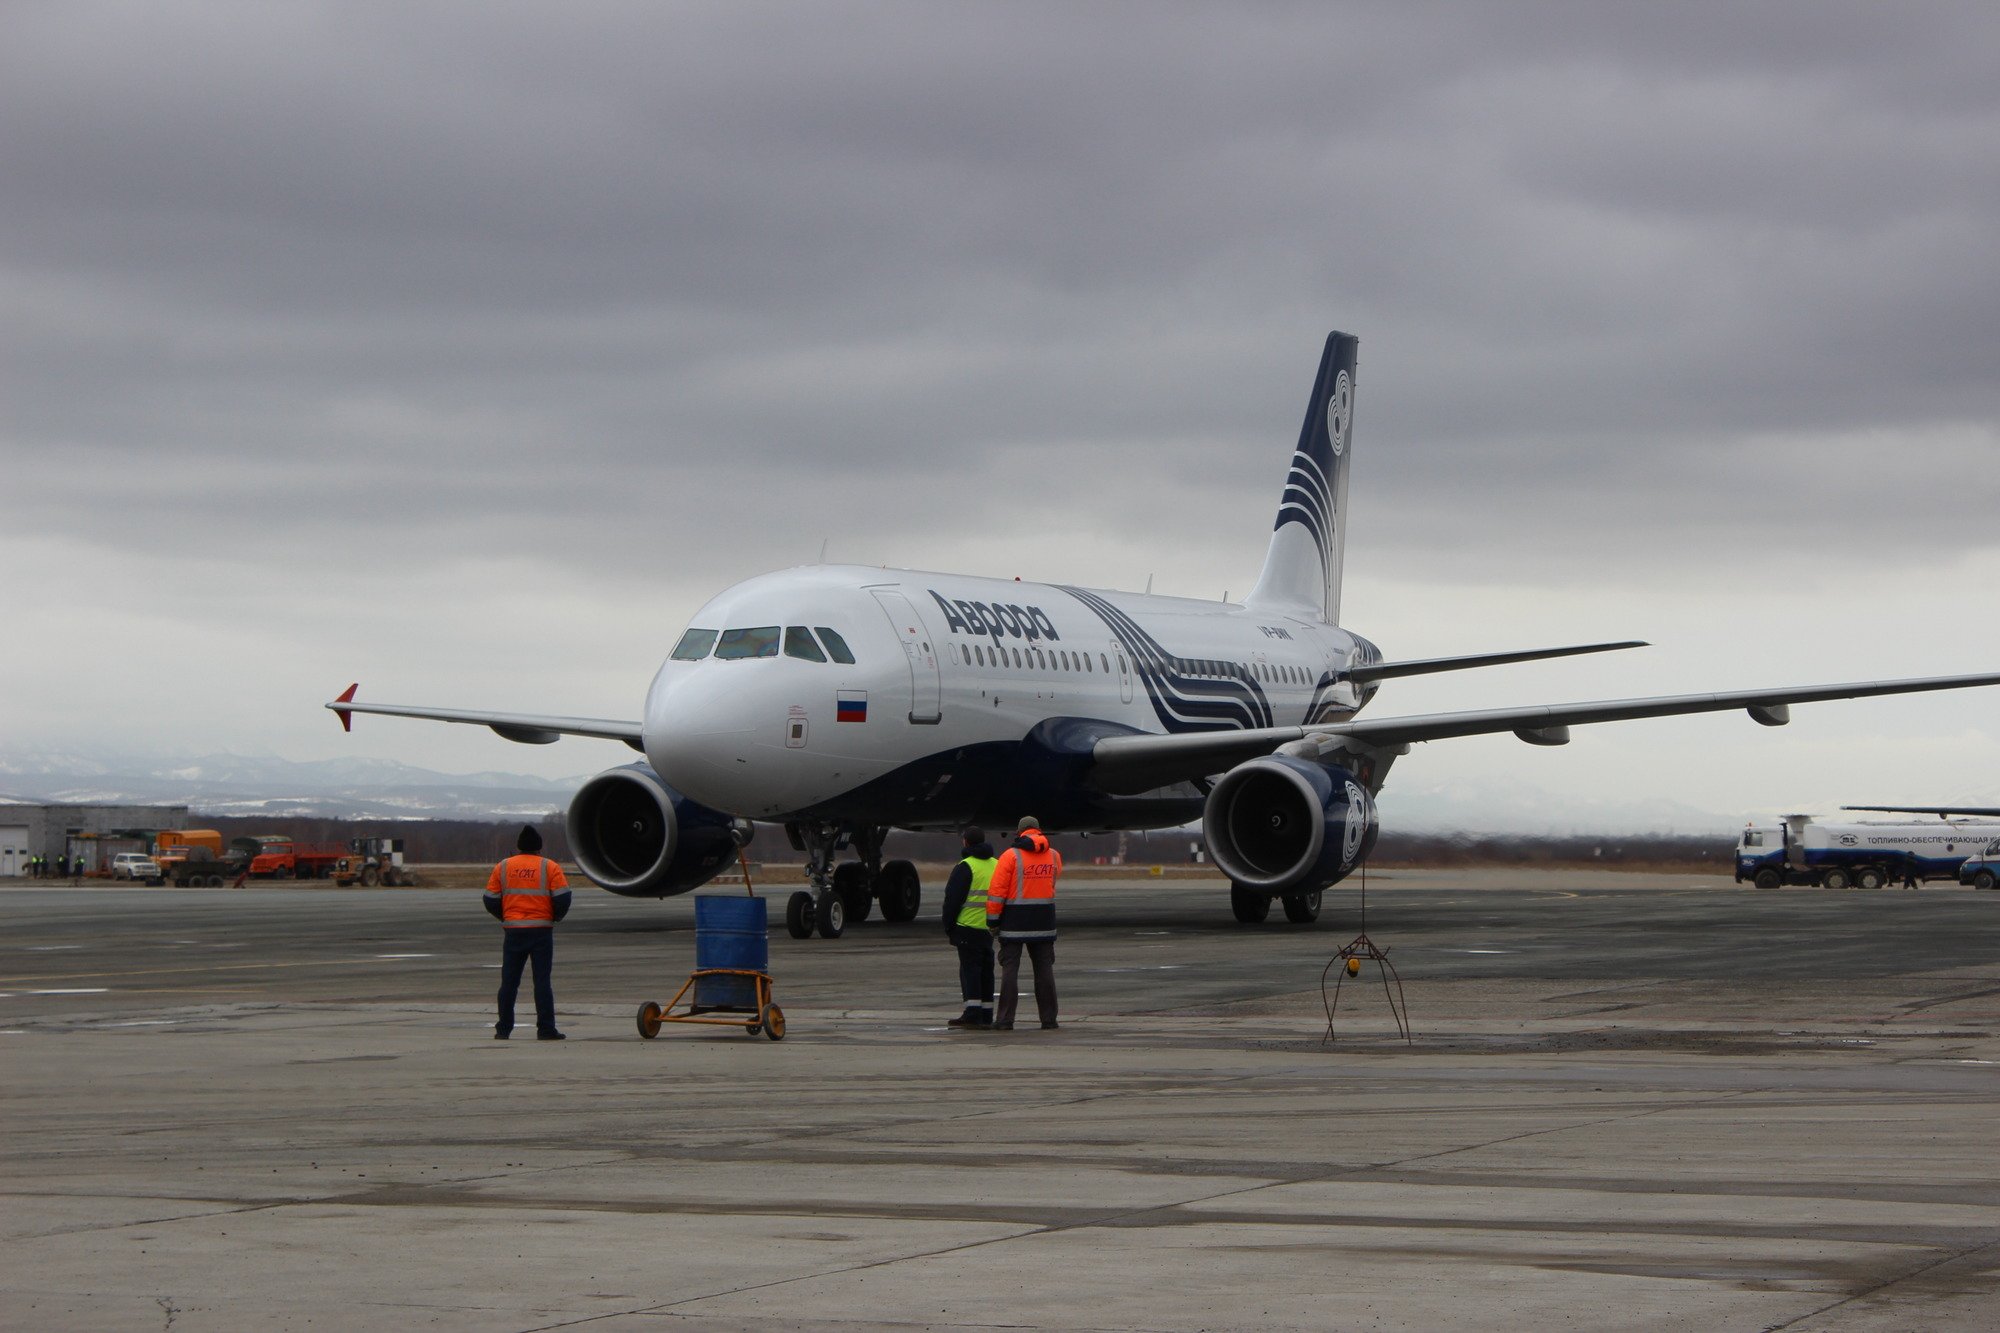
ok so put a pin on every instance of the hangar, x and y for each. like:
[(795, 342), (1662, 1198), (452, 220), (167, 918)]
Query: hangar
[(93, 832)]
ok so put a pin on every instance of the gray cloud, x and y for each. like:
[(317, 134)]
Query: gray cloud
[(1646, 294)]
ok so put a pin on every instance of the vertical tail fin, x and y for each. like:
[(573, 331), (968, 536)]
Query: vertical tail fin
[(1302, 569)]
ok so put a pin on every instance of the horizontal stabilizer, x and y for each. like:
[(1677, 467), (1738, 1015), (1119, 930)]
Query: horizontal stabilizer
[(1423, 666), (526, 728)]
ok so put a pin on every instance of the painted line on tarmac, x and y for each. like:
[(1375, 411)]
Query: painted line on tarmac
[(202, 971)]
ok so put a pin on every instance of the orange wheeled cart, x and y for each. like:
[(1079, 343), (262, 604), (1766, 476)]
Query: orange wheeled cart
[(759, 1016), (731, 983)]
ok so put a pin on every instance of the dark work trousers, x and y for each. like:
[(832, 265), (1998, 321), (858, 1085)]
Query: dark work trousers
[(975, 971), (1042, 954), (535, 945)]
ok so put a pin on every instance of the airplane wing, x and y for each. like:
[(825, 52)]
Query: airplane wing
[(1422, 666), (1126, 765), (1941, 811), (527, 728)]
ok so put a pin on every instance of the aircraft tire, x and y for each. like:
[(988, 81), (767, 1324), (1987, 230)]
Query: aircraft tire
[(1983, 880), (829, 916), (799, 915), (902, 893), (1769, 879), (1834, 879), (850, 881), (1248, 905), (1302, 909), (1868, 878)]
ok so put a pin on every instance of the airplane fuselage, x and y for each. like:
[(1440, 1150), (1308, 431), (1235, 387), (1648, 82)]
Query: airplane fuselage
[(966, 696)]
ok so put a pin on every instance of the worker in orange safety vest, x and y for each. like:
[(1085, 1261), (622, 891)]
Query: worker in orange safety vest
[(528, 894), (1021, 909)]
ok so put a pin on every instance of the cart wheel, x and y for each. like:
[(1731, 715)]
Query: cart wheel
[(753, 1027), (649, 1019), (774, 1022), (799, 915)]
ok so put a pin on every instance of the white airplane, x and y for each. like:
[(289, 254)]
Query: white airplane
[(844, 701)]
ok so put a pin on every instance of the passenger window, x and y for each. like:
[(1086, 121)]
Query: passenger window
[(1104, 662), (1086, 661), (694, 645), (836, 647), (1017, 659), (741, 643), (799, 643)]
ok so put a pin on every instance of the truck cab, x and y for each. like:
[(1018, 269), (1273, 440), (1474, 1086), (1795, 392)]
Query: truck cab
[(1760, 855), (1982, 869)]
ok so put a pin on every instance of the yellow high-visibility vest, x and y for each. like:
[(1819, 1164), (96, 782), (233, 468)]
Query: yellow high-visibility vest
[(973, 914)]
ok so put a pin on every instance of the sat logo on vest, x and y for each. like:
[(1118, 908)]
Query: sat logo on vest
[(850, 706)]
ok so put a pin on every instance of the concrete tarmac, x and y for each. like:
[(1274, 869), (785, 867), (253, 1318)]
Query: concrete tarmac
[(1631, 1102)]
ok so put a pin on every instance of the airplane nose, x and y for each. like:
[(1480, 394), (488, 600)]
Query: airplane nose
[(699, 733)]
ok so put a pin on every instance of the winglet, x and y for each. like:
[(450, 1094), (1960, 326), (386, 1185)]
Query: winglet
[(345, 715)]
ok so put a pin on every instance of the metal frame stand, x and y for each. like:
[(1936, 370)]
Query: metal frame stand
[(1348, 960)]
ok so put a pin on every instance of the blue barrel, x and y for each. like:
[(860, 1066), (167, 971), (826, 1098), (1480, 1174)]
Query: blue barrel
[(730, 932)]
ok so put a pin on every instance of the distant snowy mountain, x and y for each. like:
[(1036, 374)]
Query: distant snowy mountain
[(229, 784)]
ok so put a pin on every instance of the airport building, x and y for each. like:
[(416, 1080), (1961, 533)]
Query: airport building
[(94, 833)]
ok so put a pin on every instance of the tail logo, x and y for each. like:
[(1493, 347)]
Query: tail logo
[(1340, 413)]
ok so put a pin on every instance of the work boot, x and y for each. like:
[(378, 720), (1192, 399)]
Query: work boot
[(501, 1034), (551, 1036), (1046, 1026), (999, 1027)]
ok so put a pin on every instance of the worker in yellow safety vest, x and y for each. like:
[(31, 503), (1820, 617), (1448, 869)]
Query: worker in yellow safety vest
[(1021, 907), (528, 893), (965, 927)]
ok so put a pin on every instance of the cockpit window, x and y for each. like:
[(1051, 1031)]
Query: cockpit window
[(694, 645), (836, 647), (738, 643), (799, 643)]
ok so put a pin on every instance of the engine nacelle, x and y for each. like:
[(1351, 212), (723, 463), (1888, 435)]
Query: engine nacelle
[(1287, 825), (635, 835)]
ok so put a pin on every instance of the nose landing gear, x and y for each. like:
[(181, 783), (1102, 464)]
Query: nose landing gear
[(847, 892)]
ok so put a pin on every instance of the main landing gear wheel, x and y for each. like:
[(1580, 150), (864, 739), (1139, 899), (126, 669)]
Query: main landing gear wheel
[(649, 1019), (850, 881), (829, 916), (1248, 905), (799, 915), (1769, 879), (902, 893), (1302, 909)]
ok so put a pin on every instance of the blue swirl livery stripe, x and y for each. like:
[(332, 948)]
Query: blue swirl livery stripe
[(1324, 708), (1183, 700)]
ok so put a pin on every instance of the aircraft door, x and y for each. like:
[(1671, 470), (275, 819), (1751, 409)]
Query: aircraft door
[(1124, 670), (925, 702)]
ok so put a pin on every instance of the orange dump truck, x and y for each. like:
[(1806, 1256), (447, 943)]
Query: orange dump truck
[(280, 857)]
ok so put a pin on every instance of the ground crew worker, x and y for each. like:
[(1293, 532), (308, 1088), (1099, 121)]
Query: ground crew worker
[(1021, 907), (528, 894), (965, 927)]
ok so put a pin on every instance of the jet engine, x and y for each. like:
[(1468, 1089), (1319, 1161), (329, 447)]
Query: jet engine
[(635, 835), (1284, 825)]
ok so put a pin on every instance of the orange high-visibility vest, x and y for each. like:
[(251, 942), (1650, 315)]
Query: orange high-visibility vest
[(1021, 897), (526, 886)]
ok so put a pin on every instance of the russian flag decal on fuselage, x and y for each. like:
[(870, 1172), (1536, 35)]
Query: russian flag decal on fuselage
[(850, 706)]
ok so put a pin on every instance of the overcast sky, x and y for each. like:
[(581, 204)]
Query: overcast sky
[(464, 349)]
